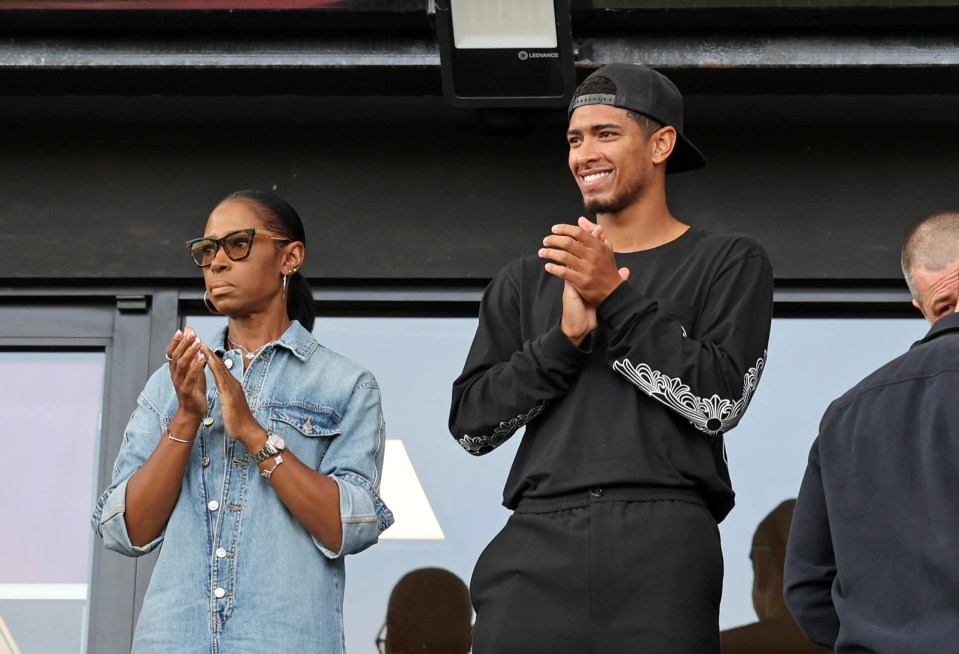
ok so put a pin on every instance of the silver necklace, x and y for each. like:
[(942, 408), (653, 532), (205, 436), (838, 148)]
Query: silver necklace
[(246, 353)]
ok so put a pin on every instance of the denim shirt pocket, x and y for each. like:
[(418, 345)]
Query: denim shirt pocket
[(306, 429)]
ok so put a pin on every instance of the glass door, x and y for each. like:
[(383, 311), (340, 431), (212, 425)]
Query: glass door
[(50, 412), (71, 367)]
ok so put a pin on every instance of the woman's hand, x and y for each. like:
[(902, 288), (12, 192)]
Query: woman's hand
[(186, 370), (154, 488), (237, 418), (312, 498)]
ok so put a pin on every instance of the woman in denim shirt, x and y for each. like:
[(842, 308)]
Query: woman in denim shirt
[(255, 460)]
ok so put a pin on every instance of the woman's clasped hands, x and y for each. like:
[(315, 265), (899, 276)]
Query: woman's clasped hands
[(188, 357)]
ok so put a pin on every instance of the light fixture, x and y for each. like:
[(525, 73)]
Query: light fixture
[(506, 53)]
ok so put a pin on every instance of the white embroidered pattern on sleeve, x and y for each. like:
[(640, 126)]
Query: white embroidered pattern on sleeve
[(477, 445), (713, 415)]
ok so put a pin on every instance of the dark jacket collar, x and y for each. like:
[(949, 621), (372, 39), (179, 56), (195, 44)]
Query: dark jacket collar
[(945, 325)]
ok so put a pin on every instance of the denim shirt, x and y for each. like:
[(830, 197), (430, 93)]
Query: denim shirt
[(237, 572)]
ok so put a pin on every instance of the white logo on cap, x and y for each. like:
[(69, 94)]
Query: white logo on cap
[(523, 55)]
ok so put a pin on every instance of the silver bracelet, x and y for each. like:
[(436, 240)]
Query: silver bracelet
[(171, 437), (277, 460)]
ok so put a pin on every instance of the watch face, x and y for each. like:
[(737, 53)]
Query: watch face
[(277, 441)]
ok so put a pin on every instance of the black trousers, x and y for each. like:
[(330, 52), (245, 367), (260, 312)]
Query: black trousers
[(637, 571)]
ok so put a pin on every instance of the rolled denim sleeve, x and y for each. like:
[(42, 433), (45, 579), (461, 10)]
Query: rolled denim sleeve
[(355, 461), (139, 440), (110, 524)]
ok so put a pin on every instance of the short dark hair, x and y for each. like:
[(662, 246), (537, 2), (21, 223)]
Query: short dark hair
[(429, 610), (599, 84), (933, 244), (278, 216)]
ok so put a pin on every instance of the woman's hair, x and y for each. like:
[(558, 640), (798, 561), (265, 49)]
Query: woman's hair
[(278, 216)]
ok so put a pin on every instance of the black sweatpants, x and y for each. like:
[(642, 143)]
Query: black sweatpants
[(605, 572)]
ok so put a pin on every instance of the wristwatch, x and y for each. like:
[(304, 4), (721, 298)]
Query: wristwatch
[(274, 445)]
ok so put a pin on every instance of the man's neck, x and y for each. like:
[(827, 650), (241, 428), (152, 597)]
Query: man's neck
[(643, 225)]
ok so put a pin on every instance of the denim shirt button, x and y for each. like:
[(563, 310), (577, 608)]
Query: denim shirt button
[(213, 505), (206, 461), (220, 552), (219, 592), (228, 363), (208, 421)]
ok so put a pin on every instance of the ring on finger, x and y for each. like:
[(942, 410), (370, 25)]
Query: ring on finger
[(168, 357)]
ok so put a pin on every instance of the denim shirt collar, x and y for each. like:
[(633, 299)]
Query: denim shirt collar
[(296, 339)]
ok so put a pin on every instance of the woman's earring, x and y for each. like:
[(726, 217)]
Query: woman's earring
[(209, 305), (284, 285)]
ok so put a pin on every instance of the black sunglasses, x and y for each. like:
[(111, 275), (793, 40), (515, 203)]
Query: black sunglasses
[(237, 245)]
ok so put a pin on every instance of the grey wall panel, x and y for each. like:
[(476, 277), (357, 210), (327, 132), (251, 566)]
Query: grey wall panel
[(829, 185)]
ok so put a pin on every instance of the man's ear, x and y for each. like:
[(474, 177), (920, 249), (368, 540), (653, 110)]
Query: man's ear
[(663, 143), (761, 576), (922, 311)]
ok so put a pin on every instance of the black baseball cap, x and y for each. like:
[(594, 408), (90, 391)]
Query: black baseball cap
[(641, 89)]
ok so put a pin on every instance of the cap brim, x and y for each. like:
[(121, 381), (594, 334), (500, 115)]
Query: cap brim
[(685, 156)]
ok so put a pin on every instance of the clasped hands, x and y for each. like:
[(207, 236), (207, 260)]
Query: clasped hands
[(581, 256), (188, 356)]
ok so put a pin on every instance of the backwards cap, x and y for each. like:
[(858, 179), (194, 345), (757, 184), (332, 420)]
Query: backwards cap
[(641, 89)]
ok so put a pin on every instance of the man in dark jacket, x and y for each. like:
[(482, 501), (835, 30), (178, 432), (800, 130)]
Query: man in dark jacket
[(871, 560)]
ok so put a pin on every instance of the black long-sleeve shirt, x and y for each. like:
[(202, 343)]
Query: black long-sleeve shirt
[(646, 400), (871, 559)]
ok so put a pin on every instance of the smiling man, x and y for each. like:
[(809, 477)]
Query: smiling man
[(627, 347)]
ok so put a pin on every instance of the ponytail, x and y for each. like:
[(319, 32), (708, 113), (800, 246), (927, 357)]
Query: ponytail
[(299, 301)]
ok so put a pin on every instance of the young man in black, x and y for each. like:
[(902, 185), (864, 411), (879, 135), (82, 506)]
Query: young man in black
[(627, 347)]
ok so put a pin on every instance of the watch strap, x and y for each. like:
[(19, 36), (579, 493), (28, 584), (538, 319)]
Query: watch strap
[(268, 450)]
